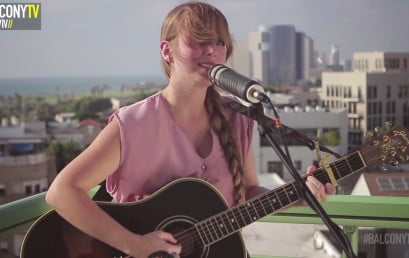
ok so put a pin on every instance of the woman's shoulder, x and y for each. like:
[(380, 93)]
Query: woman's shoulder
[(141, 105)]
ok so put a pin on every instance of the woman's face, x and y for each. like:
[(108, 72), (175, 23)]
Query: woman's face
[(194, 59)]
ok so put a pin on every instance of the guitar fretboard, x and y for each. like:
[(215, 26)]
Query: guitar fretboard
[(230, 221)]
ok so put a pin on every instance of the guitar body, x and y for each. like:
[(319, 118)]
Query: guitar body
[(196, 213), (174, 208)]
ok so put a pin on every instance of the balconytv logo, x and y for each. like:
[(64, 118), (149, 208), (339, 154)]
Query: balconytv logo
[(20, 16)]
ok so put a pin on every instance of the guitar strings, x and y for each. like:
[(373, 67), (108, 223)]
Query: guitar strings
[(246, 215), (193, 234)]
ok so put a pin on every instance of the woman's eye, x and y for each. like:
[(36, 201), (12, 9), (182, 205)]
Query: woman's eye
[(220, 42)]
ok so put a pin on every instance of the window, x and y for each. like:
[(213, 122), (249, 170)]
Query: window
[(2, 190), (297, 164), (388, 91), (369, 92), (275, 167), (28, 190), (4, 246), (37, 189)]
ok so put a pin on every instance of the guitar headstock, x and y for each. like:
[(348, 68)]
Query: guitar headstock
[(387, 146)]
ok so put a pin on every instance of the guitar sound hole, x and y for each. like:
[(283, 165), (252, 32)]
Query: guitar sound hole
[(178, 226)]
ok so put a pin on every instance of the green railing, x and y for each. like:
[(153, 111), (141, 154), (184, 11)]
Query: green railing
[(351, 212)]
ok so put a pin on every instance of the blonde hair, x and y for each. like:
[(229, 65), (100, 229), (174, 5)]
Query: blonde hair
[(202, 23)]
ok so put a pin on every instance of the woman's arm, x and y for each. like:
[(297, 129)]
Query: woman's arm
[(253, 188), (68, 195)]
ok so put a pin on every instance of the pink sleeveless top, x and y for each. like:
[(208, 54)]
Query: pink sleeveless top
[(156, 151)]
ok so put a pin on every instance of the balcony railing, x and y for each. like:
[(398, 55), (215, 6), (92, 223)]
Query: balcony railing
[(30, 159), (351, 212)]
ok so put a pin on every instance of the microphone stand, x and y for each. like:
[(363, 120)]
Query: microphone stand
[(335, 230)]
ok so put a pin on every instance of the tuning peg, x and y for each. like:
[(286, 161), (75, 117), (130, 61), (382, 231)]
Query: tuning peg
[(382, 158), (403, 148)]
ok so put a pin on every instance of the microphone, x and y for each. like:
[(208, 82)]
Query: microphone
[(237, 84)]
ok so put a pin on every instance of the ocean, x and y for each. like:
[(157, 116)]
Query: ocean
[(43, 86)]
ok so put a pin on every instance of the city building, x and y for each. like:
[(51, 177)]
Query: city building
[(259, 55), (376, 91), (282, 46), (334, 56), (25, 166), (330, 126), (304, 56)]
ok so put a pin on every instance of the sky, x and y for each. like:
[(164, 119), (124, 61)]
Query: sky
[(114, 38)]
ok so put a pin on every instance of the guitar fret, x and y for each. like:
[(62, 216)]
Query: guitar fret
[(269, 201), (233, 219), (262, 206), (241, 215), (229, 223), (356, 161), (249, 220), (206, 231), (350, 168), (338, 168), (200, 234), (256, 216), (282, 199), (296, 191), (289, 190), (334, 168), (215, 227), (221, 226), (278, 198), (286, 194), (208, 225)]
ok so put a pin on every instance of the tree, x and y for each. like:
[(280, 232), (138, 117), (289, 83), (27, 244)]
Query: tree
[(45, 112), (331, 138), (88, 107), (65, 152)]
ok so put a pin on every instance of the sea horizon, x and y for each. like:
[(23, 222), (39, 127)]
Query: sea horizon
[(77, 85)]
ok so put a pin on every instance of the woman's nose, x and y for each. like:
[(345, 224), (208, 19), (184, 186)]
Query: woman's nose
[(209, 48)]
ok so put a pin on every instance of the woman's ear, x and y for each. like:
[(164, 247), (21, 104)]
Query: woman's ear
[(166, 51)]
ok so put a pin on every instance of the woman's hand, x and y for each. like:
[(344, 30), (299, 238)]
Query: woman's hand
[(320, 191), (153, 242)]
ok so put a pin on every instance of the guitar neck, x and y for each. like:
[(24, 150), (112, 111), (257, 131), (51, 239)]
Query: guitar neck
[(230, 221)]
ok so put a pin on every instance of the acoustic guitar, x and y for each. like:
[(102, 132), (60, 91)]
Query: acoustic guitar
[(196, 213)]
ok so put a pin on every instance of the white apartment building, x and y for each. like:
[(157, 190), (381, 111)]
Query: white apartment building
[(259, 55), (329, 125), (375, 92)]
